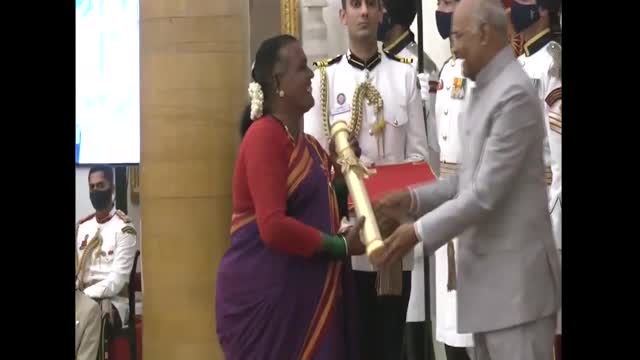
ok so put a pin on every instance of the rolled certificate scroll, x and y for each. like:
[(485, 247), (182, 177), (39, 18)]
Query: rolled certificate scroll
[(389, 280)]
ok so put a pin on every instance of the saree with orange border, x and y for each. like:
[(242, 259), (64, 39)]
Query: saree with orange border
[(273, 305)]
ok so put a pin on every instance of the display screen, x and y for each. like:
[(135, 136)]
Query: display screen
[(107, 82)]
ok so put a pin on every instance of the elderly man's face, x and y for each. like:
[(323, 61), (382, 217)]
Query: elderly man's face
[(466, 39)]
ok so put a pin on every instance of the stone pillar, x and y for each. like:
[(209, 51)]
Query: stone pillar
[(194, 68), (314, 30)]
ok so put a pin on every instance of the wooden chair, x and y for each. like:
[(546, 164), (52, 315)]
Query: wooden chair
[(129, 332)]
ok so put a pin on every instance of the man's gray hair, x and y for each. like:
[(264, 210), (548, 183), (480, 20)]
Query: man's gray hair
[(492, 13)]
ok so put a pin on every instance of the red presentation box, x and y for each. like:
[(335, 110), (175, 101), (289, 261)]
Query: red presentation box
[(389, 178)]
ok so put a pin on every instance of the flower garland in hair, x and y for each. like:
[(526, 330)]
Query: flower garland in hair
[(257, 98)]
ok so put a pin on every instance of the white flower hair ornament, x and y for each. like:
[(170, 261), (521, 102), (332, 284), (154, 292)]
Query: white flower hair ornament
[(257, 98)]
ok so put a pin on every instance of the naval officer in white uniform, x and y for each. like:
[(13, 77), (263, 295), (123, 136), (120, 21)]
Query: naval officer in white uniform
[(452, 91), (399, 40), (542, 61), (397, 136), (106, 244)]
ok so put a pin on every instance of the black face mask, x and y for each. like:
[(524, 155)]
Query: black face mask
[(100, 199), (384, 26), (443, 22), (523, 16)]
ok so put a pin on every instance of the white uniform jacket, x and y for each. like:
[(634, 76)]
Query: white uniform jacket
[(452, 92), (406, 47), (542, 60), (403, 138), (112, 245)]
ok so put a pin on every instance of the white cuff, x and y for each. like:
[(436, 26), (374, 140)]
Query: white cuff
[(418, 229)]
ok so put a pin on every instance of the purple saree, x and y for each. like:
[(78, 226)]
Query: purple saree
[(275, 306)]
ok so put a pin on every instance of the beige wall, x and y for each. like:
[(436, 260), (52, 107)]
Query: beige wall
[(194, 60)]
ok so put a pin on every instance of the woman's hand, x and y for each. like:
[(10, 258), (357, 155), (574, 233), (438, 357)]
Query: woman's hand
[(355, 145), (353, 142), (355, 246)]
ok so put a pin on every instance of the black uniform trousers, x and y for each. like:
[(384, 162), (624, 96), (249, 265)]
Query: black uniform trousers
[(382, 318)]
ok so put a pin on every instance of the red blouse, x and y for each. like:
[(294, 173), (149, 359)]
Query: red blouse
[(260, 186)]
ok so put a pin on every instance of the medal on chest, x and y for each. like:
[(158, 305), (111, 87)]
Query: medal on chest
[(458, 88)]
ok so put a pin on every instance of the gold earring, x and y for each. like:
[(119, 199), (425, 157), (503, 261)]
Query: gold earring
[(281, 93)]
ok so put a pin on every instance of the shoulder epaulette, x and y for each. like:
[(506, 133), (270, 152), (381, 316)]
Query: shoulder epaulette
[(404, 60), (554, 96), (327, 62), (123, 216), (86, 218), (128, 229), (555, 51)]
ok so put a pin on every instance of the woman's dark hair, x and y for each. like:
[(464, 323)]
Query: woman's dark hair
[(267, 57)]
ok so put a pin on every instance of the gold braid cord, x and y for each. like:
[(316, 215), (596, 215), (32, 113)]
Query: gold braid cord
[(389, 279), (92, 247), (363, 91)]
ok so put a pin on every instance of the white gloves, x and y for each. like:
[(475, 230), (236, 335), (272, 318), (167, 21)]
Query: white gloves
[(423, 79)]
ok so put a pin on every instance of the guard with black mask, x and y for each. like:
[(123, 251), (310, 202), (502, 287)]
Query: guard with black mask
[(399, 40), (106, 245), (539, 23), (517, 41), (451, 93)]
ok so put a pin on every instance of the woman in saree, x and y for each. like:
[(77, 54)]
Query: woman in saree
[(284, 287)]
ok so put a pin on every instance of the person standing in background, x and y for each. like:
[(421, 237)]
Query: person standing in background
[(390, 130), (452, 92), (542, 61), (106, 245), (517, 41), (398, 40)]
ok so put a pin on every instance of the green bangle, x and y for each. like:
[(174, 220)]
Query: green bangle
[(334, 245), (346, 246)]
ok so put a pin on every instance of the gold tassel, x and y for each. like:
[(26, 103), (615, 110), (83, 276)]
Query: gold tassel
[(93, 247), (389, 279)]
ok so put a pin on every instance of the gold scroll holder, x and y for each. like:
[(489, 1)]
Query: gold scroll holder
[(389, 279)]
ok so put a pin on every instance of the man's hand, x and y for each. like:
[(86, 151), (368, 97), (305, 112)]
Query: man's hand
[(355, 246), (395, 206), (398, 244)]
